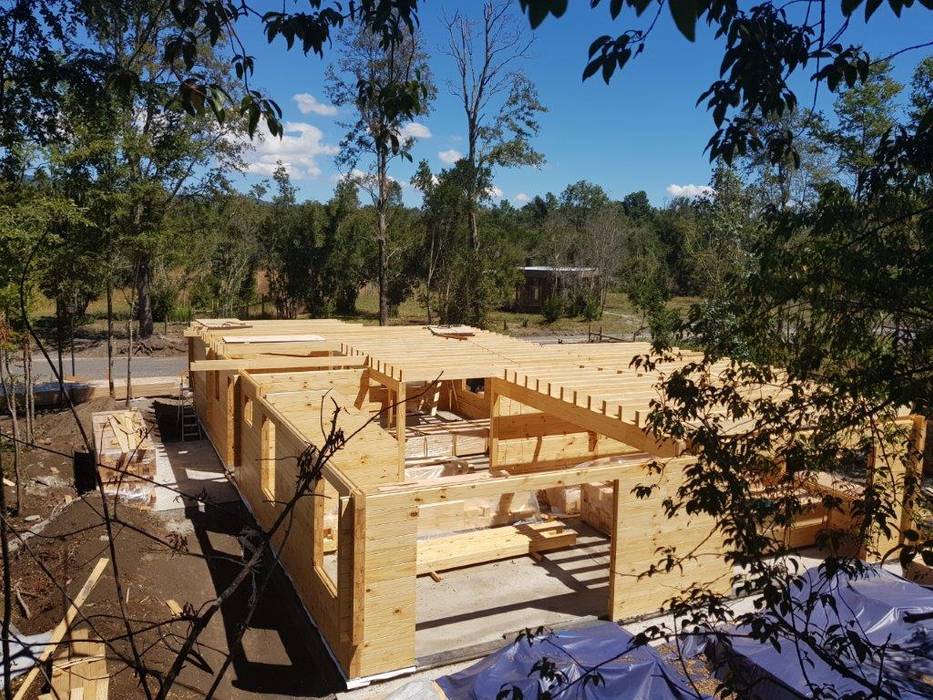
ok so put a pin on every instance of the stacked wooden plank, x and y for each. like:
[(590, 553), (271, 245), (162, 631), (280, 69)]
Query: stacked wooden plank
[(480, 546), (596, 506), (140, 387), (79, 669), (126, 455)]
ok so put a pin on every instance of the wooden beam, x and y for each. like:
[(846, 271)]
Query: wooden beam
[(587, 419), (484, 484), (615, 543), (267, 362)]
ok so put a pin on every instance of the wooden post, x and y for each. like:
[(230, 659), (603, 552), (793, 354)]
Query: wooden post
[(495, 410), (616, 587), (400, 429)]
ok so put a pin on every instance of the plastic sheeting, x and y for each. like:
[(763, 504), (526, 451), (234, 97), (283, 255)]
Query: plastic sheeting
[(880, 606), (23, 650), (632, 674)]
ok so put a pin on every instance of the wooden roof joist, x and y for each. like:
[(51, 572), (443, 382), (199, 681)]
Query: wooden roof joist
[(612, 426)]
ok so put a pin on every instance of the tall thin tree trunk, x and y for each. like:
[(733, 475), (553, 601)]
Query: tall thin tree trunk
[(28, 394), (58, 349), (71, 339), (383, 243), (474, 230), (129, 358), (143, 297), (8, 382), (110, 332), (7, 588), (383, 274)]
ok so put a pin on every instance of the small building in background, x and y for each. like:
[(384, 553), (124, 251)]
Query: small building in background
[(543, 282)]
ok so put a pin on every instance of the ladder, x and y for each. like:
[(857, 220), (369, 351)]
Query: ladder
[(190, 425)]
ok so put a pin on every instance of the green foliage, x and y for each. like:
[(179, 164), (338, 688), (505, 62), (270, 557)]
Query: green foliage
[(459, 283), (552, 308)]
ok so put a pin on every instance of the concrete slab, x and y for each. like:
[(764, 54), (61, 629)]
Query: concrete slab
[(493, 602), (193, 469)]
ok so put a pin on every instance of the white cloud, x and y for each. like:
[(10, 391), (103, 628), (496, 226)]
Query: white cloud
[(690, 191), (522, 197), (298, 150), (414, 130), (308, 103), (494, 193), (450, 156)]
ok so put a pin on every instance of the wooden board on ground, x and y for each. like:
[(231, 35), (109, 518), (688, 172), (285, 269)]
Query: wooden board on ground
[(480, 546), (63, 627)]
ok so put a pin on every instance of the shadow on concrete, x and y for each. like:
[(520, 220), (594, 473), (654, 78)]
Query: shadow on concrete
[(281, 653)]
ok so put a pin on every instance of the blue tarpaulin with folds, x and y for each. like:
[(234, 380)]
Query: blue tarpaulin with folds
[(879, 605), (632, 674)]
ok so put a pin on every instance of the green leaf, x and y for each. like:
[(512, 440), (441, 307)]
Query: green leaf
[(849, 6), (871, 6), (592, 67), (684, 13)]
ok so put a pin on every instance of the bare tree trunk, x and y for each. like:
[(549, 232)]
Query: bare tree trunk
[(474, 229), (129, 358), (7, 588), (110, 332), (383, 274), (58, 348), (383, 242), (8, 382), (143, 298), (28, 395), (71, 333)]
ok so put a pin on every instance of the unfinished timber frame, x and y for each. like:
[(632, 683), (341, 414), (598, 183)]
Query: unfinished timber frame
[(526, 418)]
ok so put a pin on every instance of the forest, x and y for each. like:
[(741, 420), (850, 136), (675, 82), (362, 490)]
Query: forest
[(136, 218)]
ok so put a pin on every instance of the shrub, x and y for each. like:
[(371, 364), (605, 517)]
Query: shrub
[(552, 308)]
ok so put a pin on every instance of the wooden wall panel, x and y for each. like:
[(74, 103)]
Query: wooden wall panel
[(641, 528), (389, 562)]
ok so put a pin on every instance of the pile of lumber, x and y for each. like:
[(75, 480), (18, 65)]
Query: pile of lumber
[(125, 455), (79, 669), (140, 387), (480, 546), (596, 506)]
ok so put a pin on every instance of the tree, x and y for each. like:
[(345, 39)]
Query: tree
[(580, 200), (824, 342), (790, 181), (499, 102), (718, 248), (460, 283), (637, 207), (373, 140), (865, 112)]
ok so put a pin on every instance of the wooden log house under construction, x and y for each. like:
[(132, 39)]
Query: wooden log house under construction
[(471, 426)]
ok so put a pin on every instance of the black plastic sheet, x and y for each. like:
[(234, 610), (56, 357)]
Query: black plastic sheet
[(626, 672), (879, 606)]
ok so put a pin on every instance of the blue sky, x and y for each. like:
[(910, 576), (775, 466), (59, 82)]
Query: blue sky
[(641, 132)]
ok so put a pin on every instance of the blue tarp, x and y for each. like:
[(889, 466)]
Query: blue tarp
[(637, 674), (879, 606)]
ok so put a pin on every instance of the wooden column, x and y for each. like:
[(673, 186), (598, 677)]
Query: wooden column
[(400, 429), (616, 584), (495, 410)]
